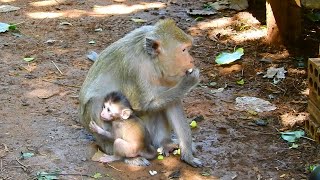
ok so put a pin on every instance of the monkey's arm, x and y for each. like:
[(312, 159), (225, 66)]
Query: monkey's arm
[(175, 93), (97, 129)]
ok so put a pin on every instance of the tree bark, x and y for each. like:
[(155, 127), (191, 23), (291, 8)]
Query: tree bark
[(283, 21)]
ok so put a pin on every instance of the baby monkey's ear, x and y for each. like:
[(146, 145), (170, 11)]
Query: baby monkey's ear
[(126, 113)]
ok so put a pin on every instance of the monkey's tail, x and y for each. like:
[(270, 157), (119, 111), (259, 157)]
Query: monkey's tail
[(149, 153)]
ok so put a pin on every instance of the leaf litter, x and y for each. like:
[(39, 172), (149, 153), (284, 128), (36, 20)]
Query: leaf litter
[(8, 8)]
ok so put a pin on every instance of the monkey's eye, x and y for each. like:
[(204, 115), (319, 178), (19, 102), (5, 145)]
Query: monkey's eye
[(108, 109), (184, 50), (103, 106)]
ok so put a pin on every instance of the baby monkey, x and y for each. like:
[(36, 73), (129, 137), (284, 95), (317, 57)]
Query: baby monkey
[(131, 138)]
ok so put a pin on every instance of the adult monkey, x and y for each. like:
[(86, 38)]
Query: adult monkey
[(152, 67)]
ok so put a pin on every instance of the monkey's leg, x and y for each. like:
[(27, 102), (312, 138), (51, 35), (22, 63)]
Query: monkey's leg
[(180, 126), (160, 131), (124, 149)]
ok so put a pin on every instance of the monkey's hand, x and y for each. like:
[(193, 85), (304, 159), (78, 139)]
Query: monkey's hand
[(94, 127), (162, 99), (97, 129), (190, 159), (190, 79)]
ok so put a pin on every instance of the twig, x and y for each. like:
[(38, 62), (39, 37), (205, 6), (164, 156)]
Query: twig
[(57, 67), (75, 86), (252, 128), (1, 168), (24, 166), (67, 174), (114, 167), (308, 138), (19, 23), (278, 87), (41, 21)]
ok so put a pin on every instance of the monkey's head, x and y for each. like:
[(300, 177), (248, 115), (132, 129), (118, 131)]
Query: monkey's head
[(170, 46), (116, 106)]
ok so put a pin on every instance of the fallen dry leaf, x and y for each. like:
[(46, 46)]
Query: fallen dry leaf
[(4, 151), (97, 156)]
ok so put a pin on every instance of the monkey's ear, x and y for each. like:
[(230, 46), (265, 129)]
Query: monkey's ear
[(152, 47), (126, 113)]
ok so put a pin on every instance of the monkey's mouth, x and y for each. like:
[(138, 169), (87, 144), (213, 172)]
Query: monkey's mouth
[(103, 119)]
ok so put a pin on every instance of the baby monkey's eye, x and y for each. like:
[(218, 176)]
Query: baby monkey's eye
[(108, 109), (103, 106), (184, 49)]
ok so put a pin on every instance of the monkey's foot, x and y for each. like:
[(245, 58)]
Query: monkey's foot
[(107, 158), (189, 159), (137, 161)]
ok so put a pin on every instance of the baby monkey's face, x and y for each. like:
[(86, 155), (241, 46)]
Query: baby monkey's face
[(112, 111)]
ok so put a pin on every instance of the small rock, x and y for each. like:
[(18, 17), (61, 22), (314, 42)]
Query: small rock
[(175, 174), (261, 122), (50, 41), (198, 118), (24, 103), (152, 172)]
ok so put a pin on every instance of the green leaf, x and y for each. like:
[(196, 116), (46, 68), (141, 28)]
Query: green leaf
[(226, 58), (212, 84), (28, 59), (4, 27), (97, 176), (26, 155), (314, 17), (199, 18), (46, 176), (294, 146), (312, 167), (205, 174), (241, 82), (12, 27), (137, 20), (292, 136)]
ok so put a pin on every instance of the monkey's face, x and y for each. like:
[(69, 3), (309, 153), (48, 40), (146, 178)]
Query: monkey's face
[(110, 111), (177, 61), (114, 111)]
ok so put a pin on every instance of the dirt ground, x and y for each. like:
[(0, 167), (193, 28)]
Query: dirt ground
[(39, 104)]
